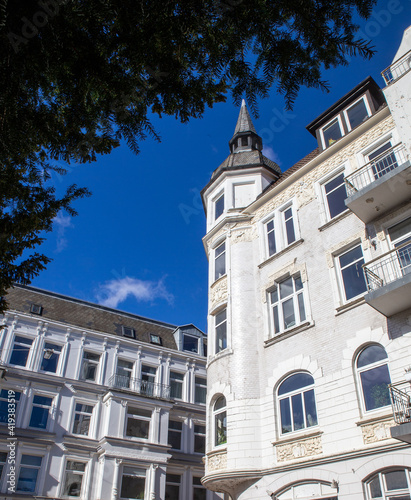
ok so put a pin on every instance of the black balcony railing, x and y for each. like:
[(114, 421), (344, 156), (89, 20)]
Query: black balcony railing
[(389, 267), (379, 166), (401, 402), (397, 69), (139, 386)]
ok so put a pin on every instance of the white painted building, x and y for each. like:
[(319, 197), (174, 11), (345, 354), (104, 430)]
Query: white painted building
[(107, 405), (310, 306)]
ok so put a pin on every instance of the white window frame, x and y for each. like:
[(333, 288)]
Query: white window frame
[(215, 257), (141, 418), (8, 402), (98, 364), (173, 483), (83, 475), (366, 368), (201, 434), (38, 405), (217, 325), (340, 123), (367, 107), (121, 476), (280, 230), (198, 486), (289, 395), (60, 361), (128, 370), (197, 351), (179, 381), (362, 156), (30, 353), (200, 385), (322, 195), (214, 201), (280, 301), (215, 414), (39, 469), (76, 402), (180, 431), (385, 492), (340, 279)]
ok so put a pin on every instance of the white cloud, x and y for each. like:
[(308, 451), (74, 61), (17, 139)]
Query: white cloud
[(270, 153), (61, 223), (114, 292)]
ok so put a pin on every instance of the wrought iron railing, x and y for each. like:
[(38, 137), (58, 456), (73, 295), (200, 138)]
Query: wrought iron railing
[(397, 69), (401, 402), (139, 386), (376, 168), (389, 267)]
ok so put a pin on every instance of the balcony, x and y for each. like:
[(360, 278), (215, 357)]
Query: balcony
[(398, 69), (401, 407), (388, 279), (141, 387), (380, 185)]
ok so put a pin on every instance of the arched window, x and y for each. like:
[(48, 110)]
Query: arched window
[(220, 421), (308, 490), (297, 403), (374, 377), (390, 484)]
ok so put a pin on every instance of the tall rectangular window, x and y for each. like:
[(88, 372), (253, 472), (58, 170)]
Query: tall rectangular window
[(133, 483), (219, 261), (9, 400), (199, 491), (335, 194), (221, 330), (3, 462), (200, 390), (173, 486), (331, 133), (271, 243), (199, 438), (175, 431), (123, 374), (82, 419), (287, 303), (20, 351), (352, 275), (138, 423), (40, 412), (89, 366), (218, 207), (289, 226), (190, 343), (357, 113), (176, 385), (73, 479), (148, 378), (51, 356), (30, 466)]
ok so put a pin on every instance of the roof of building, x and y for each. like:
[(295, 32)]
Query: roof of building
[(244, 122), (82, 314)]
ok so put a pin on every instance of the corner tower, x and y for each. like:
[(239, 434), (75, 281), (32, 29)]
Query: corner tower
[(234, 349)]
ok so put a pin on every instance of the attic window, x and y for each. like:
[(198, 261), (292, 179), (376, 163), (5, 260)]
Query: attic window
[(190, 343), (156, 339), (244, 141), (331, 132), (357, 113), (36, 309), (129, 332)]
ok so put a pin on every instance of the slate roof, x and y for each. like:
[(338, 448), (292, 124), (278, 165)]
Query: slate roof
[(82, 314), (244, 122)]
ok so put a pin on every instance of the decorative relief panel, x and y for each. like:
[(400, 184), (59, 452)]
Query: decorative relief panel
[(216, 461), (218, 292), (299, 449), (378, 431)]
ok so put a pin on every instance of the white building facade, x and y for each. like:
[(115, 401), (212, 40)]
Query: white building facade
[(99, 404), (310, 306)]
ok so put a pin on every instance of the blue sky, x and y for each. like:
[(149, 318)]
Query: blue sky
[(136, 244)]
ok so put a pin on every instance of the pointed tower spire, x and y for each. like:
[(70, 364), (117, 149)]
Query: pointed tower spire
[(245, 136)]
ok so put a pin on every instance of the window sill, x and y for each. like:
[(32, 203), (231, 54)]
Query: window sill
[(350, 305), (297, 436), (219, 355), (336, 219), (380, 415), (289, 333), (281, 252)]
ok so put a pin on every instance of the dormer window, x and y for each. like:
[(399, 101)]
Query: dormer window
[(332, 132), (36, 309), (357, 113), (129, 332), (190, 343), (219, 206), (244, 141), (155, 339)]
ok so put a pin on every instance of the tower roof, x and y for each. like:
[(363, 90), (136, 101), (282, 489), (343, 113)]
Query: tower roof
[(244, 122)]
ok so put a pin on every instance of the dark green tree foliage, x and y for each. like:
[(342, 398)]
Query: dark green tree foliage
[(79, 76)]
